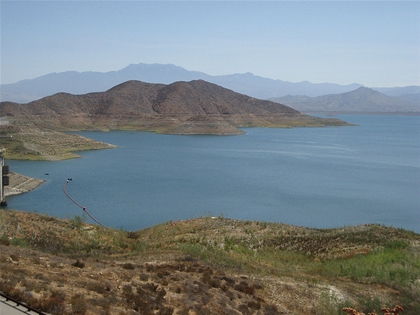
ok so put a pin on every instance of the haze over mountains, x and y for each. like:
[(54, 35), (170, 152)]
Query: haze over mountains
[(363, 100), (249, 84)]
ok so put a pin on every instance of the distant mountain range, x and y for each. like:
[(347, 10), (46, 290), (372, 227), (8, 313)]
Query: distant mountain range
[(195, 107), (360, 100), (249, 84)]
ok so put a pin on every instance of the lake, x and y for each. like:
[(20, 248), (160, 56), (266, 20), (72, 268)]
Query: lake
[(313, 177)]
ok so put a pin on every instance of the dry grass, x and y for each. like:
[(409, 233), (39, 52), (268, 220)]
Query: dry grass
[(206, 265)]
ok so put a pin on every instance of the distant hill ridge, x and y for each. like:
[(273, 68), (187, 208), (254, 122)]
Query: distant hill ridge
[(360, 100), (247, 83), (195, 107)]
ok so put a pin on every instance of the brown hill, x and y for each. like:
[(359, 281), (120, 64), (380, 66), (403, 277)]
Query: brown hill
[(195, 107)]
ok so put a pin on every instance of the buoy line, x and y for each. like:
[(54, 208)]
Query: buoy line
[(79, 205)]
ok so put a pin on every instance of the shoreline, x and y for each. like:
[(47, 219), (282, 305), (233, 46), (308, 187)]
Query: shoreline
[(20, 184)]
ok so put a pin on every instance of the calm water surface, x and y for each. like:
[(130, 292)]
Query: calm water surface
[(315, 177)]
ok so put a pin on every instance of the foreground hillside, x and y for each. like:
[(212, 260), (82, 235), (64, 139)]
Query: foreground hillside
[(206, 266), (195, 107)]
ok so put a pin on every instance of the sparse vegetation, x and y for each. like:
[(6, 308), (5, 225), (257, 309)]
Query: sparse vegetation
[(387, 311), (208, 265)]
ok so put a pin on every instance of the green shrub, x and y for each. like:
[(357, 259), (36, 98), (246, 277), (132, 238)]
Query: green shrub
[(78, 221)]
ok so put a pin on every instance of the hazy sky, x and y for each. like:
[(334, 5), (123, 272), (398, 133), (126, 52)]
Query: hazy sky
[(374, 43)]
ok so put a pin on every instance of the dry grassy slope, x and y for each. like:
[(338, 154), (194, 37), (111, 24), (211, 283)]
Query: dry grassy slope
[(199, 266)]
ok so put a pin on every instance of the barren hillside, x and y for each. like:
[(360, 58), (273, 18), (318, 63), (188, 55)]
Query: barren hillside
[(158, 107)]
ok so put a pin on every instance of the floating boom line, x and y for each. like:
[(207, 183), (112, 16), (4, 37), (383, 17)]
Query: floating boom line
[(79, 205)]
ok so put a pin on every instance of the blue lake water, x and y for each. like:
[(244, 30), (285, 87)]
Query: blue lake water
[(314, 177)]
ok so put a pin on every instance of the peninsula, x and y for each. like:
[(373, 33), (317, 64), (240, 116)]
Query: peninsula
[(195, 107)]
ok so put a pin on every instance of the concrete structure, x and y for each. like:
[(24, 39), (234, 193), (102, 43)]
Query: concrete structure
[(8, 307), (4, 179)]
